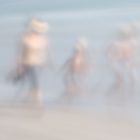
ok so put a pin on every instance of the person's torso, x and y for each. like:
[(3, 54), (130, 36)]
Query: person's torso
[(79, 63), (124, 51), (35, 50)]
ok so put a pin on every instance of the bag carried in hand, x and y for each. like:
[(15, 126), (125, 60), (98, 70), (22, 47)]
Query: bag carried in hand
[(17, 75)]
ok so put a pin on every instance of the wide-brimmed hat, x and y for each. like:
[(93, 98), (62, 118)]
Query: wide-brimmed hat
[(82, 43), (126, 31), (37, 25)]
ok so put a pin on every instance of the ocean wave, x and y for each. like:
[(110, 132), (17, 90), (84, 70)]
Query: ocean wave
[(76, 15)]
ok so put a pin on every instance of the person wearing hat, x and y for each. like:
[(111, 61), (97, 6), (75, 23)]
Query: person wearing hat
[(32, 57), (75, 68), (121, 55)]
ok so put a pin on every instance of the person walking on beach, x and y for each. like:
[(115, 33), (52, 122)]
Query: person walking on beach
[(121, 55), (75, 68), (32, 54)]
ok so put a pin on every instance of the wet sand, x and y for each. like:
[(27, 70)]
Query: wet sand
[(64, 124)]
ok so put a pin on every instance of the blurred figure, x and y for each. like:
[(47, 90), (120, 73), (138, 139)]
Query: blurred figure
[(32, 57), (121, 57), (75, 69)]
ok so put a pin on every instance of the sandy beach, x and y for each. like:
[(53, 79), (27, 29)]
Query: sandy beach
[(64, 124)]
